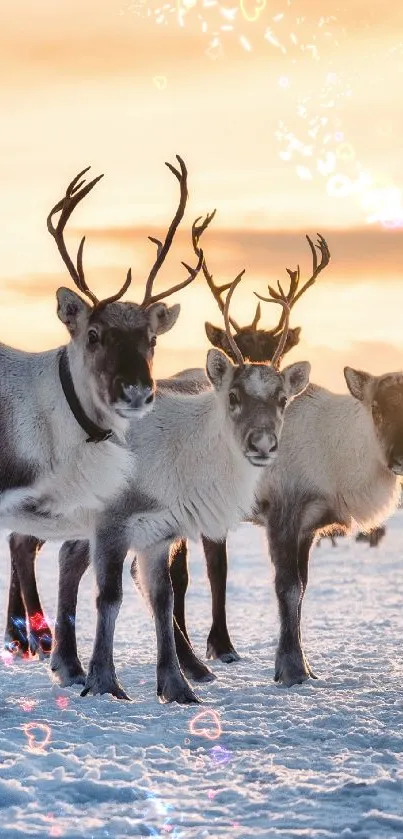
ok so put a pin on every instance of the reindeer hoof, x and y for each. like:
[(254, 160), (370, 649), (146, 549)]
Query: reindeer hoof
[(199, 677), (18, 649), (40, 645), (225, 652), (173, 687), (67, 672), (197, 671), (102, 681), (116, 691), (291, 669)]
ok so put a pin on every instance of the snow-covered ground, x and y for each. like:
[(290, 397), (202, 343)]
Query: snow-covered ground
[(324, 759)]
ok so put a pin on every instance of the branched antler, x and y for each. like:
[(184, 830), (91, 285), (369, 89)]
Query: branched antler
[(281, 298), (75, 192), (227, 320), (163, 247), (217, 291), (293, 293)]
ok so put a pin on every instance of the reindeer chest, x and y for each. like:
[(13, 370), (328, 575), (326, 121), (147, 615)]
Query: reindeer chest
[(64, 501)]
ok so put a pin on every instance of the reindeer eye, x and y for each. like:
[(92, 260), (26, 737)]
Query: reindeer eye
[(233, 399), (282, 402), (153, 341), (93, 336)]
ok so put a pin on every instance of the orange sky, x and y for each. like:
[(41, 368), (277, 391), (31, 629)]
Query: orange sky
[(289, 123)]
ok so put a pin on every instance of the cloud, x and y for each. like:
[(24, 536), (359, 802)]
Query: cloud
[(327, 363), (356, 255)]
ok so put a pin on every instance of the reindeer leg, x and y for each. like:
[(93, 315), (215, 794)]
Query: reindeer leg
[(291, 667), (219, 643), (74, 559), (190, 664), (24, 603), (303, 562), (25, 550), (111, 544), (155, 582), (180, 580), (16, 634)]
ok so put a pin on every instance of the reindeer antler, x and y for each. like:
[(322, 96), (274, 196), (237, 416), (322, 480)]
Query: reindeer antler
[(287, 301), (217, 291), (281, 298), (75, 192), (227, 320), (293, 293), (163, 248)]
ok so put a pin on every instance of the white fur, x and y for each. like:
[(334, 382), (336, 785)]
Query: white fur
[(329, 447), (193, 469), (75, 479), (190, 462)]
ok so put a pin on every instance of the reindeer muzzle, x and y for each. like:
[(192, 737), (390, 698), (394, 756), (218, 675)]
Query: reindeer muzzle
[(136, 398), (261, 447)]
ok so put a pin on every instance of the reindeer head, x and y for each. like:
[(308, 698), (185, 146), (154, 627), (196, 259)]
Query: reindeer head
[(254, 344), (383, 397), (112, 343), (257, 344), (254, 396)]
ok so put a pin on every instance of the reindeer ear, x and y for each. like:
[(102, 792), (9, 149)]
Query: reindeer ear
[(71, 309), (218, 365), (162, 317), (296, 377), (293, 336), (216, 336), (358, 382)]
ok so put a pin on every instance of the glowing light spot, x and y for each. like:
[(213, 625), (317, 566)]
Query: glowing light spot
[(327, 164), (274, 41), (160, 82), (206, 724), (339, 186), (304, 173), (7, 655), (245, 43), (345, 152), (27, 704), (37, 746), (284, 81), (219, 755), (253, 13), (62, 702), (38, 622)]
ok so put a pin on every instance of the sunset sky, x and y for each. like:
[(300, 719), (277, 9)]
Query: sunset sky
[(289, 116)]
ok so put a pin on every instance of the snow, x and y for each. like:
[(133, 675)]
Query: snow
[(324, 759)]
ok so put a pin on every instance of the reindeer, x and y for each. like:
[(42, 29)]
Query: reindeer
[(56, 405), (339, 467), (198, 460), (373, 537)]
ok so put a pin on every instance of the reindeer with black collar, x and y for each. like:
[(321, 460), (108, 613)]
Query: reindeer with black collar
[(65, 412)]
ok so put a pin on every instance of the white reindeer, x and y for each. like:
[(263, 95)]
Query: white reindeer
[(64, 412), (338, 468)]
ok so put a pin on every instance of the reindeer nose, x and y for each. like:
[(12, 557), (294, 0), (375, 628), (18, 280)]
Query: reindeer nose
[(261, 443), (136, 396)]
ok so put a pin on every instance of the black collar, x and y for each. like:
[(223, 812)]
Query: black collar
[(96, 433)]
